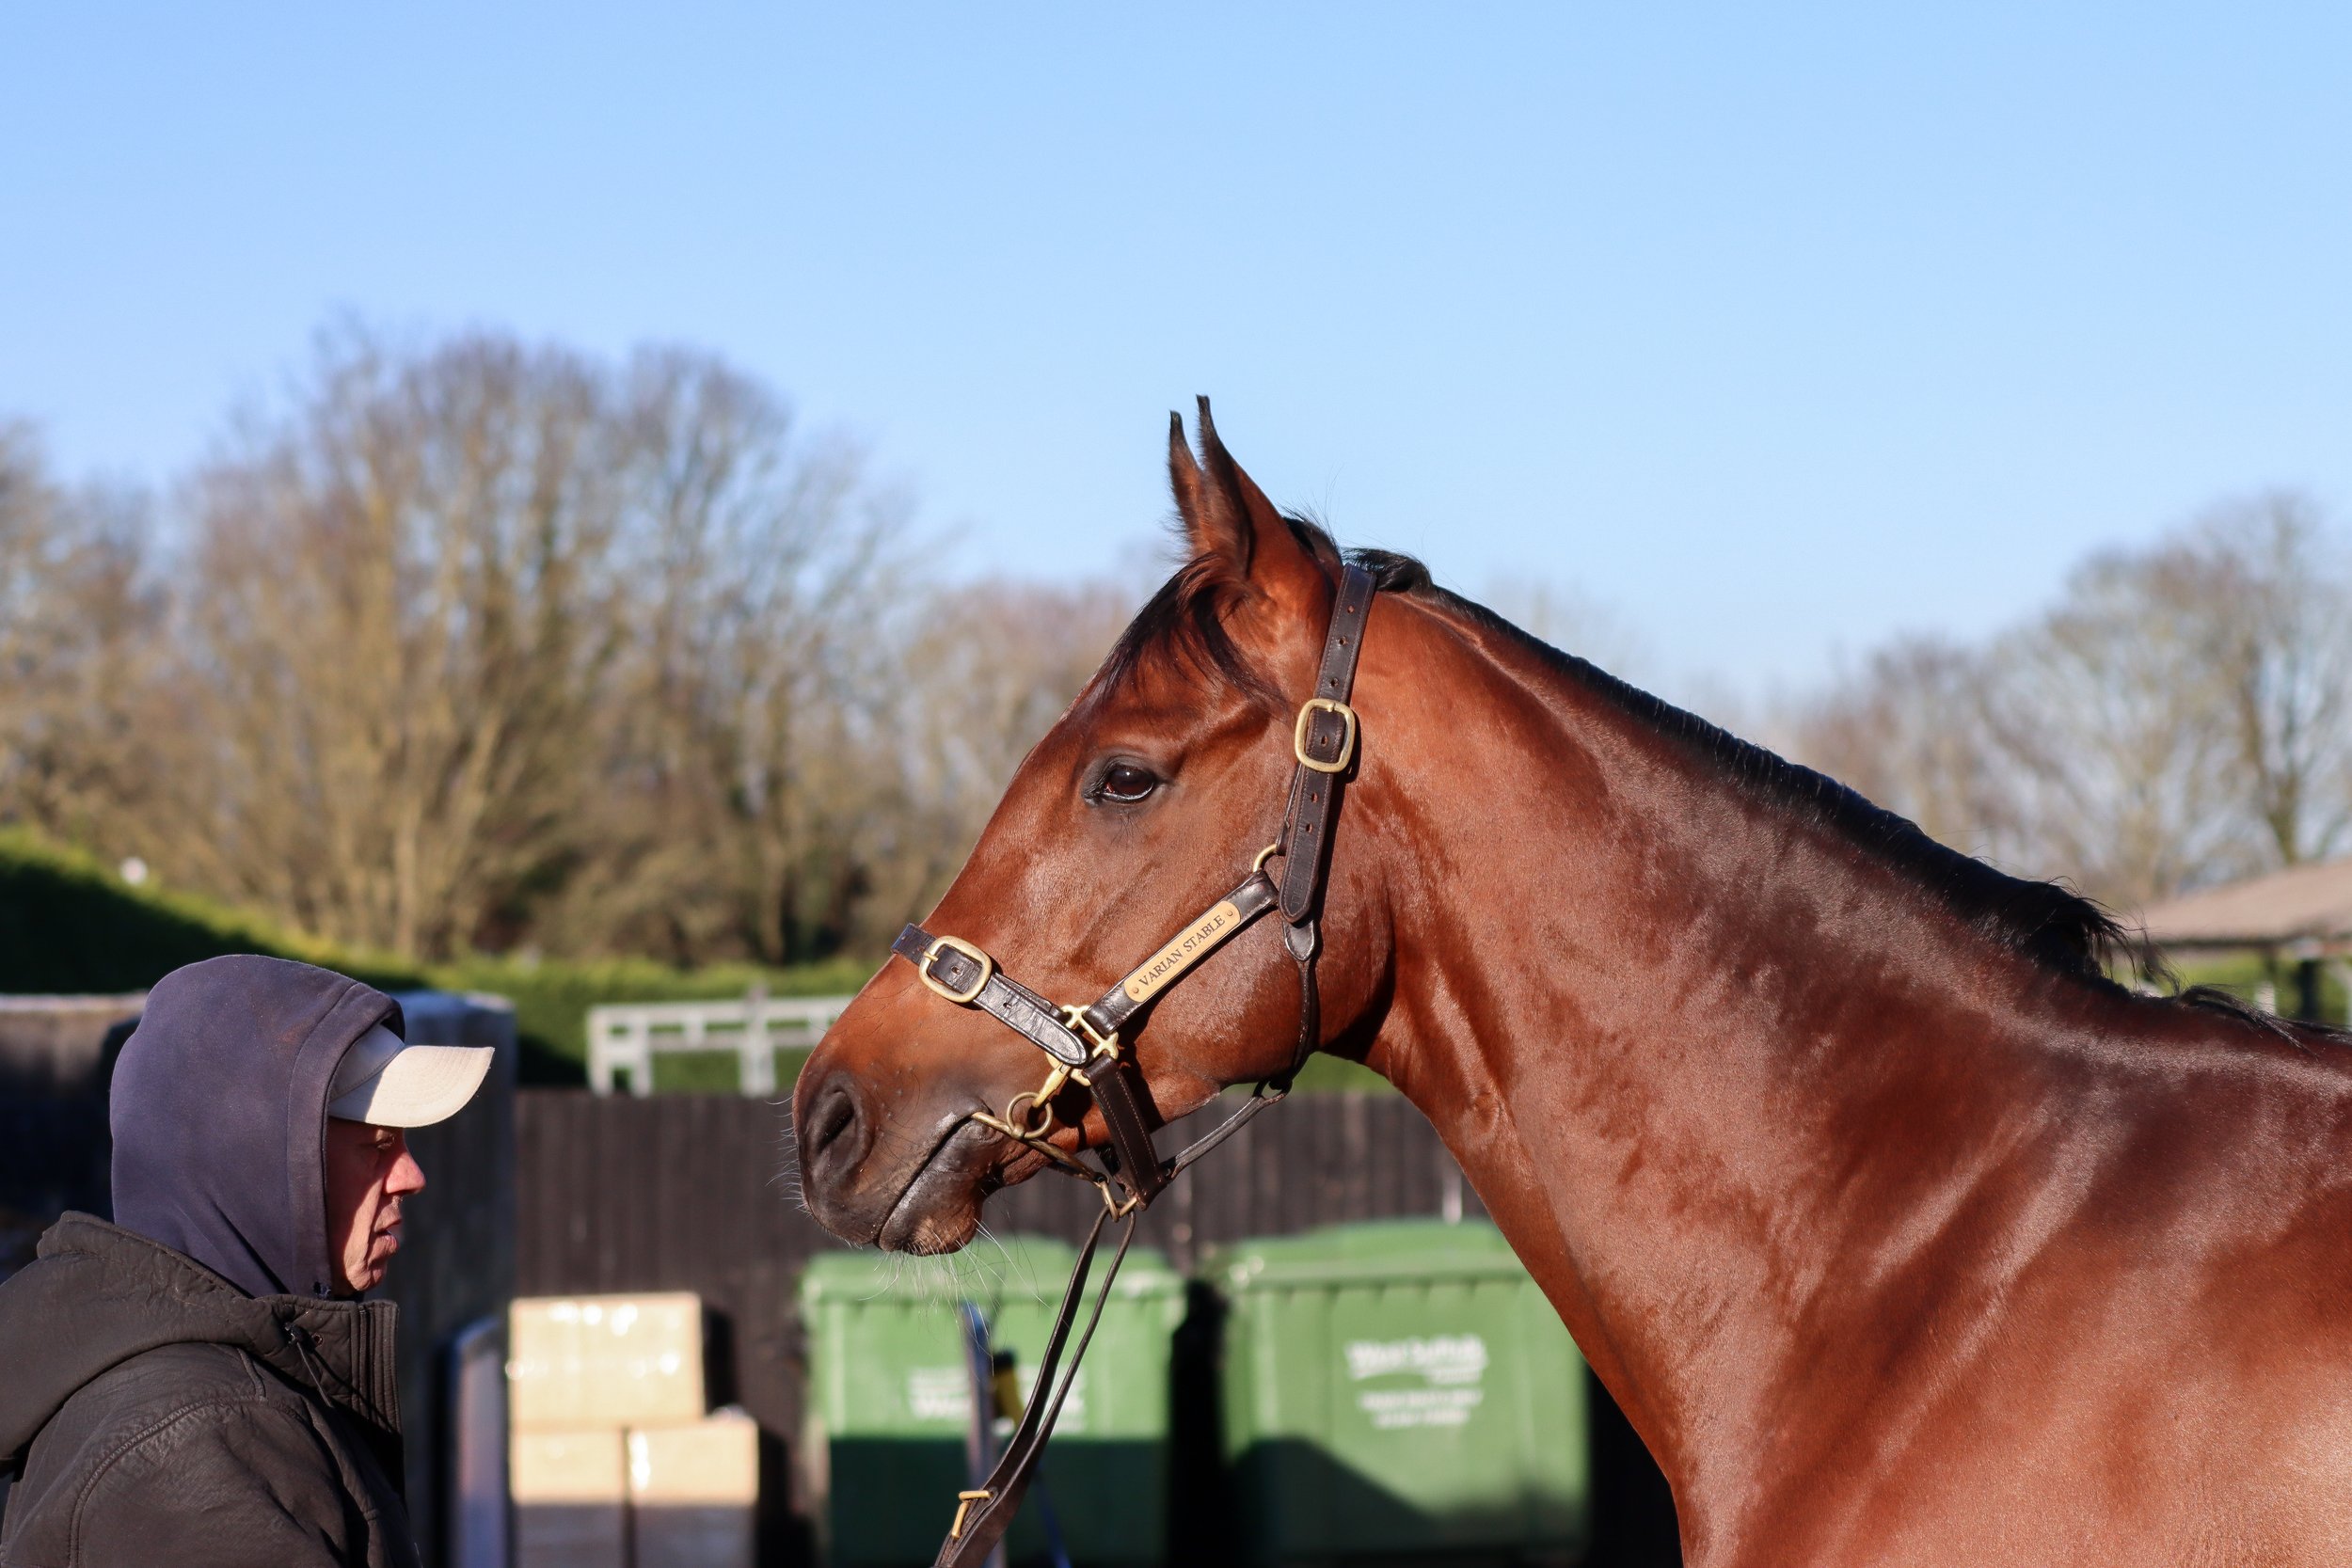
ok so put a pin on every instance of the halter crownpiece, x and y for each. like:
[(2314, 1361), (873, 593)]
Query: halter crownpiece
[(1085, 1046)]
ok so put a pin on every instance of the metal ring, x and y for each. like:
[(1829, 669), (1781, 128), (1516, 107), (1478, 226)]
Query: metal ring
[(1020, 1123), (1264, 855), (1075, 1166), (955, 944)]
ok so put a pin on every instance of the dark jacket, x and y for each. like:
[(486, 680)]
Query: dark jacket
[(173, 1420), (178, 1388)]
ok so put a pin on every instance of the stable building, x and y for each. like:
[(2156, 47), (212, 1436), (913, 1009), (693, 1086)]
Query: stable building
[(2298, 921)]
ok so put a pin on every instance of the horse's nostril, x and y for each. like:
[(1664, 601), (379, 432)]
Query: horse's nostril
[(830, 1120)]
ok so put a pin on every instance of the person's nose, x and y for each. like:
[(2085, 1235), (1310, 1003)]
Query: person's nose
[(407, 1177)]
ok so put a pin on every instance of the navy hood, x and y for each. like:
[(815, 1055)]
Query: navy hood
[(220, 1115)]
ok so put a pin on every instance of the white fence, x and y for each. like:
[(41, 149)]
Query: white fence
[(626, 1036)]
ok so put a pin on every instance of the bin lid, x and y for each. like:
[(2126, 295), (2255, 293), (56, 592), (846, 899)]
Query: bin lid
[(1028, 1266), (1373, 1252)]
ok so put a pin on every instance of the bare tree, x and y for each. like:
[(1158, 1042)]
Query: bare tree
[(2185, 714), (77, 613), (496, 644), (394, 626), (2270, 609), (740, 773), (2181, 715), (2104, 712), (488, 644), (1912, 730)]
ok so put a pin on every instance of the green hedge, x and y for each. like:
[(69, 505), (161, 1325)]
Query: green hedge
[(2243, 974), (69, 923)]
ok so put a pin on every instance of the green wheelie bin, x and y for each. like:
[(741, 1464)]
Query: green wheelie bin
[(1398, 1389), (889, 1401)]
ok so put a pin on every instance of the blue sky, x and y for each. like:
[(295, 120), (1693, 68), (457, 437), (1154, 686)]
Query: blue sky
[(1777, 329)]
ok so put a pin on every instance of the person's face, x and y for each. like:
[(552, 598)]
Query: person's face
[(369, 1170)]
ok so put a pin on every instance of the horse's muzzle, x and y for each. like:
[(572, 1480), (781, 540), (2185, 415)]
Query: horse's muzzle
[(905, 1182)]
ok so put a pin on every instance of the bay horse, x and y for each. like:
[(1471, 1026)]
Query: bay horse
[(1902, 1233)]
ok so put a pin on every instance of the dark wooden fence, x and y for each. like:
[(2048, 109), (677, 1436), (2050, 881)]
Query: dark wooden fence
[(460, 1269), (54, 1146), (698, 1193)]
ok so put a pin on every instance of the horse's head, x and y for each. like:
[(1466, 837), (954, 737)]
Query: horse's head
[(1149, 798)]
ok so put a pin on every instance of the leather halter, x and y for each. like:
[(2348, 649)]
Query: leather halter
[(1085, 1046)]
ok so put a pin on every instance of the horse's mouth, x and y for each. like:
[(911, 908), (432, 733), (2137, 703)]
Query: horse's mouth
[(939, 1208)]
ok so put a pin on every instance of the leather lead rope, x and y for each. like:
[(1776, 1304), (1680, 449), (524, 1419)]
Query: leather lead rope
[(983, 1515), (1084, 1046)]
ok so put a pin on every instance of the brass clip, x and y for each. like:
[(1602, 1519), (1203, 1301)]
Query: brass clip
[(1104, 1045), (963, 1503)]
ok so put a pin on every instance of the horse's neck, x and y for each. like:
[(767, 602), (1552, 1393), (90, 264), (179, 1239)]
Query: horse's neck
[(1695, 1057)]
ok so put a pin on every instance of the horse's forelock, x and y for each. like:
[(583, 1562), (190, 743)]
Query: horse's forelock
[(1186, 624)]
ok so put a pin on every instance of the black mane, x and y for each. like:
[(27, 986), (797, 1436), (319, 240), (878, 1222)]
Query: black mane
[(2047, 922)]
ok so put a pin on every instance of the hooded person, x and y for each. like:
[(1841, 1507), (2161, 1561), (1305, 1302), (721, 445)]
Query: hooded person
[(198, 1383)]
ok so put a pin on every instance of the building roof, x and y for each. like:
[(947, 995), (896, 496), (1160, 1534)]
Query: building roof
[(2303, 903)]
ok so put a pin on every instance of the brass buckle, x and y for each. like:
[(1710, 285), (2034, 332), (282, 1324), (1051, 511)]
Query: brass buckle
[(963, 1504), (1306, 710), (955, 944)]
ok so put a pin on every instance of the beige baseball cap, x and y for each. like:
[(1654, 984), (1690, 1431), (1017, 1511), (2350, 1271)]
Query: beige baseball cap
[(386, 1081)]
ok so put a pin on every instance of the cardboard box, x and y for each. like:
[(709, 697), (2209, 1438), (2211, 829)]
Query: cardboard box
[(570, 1492), (576, 1362), (714, 1460), (589, 1467), (694, 1492)]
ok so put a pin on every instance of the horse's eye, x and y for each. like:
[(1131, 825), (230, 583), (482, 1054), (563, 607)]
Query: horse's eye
[(1127, 783)]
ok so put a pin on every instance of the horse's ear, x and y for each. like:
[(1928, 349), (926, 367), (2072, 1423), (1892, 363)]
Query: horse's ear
[(1228, 519), (1202, 525)]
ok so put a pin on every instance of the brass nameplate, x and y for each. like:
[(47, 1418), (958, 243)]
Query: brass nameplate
[(1182, 954)]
